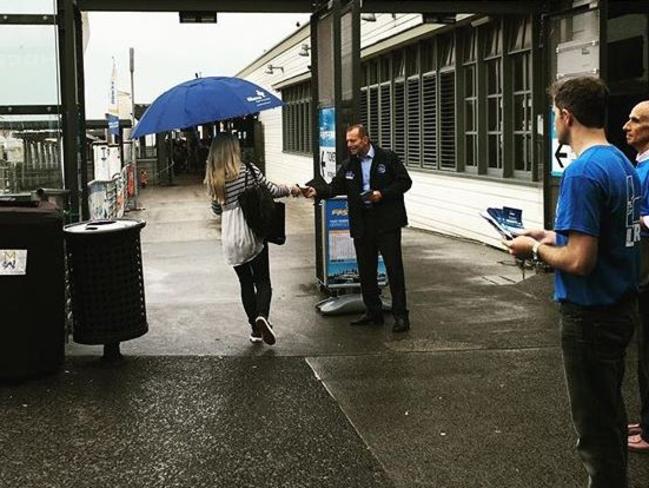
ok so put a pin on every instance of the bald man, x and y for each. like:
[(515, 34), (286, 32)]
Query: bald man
[(637, 136)]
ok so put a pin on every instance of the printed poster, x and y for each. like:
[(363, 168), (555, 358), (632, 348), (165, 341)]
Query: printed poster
[(341, 267), (327, 143)]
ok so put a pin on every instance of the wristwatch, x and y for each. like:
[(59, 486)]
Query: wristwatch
[(535, 251)]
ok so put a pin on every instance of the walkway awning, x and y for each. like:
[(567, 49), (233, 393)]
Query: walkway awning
[(307, 6)]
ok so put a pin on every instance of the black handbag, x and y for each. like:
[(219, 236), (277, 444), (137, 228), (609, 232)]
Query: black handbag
[(277, 233), (265, 217)]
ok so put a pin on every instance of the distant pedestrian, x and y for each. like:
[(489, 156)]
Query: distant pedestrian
[(179, 155), (594, 250), (637, 136), (226, 177), (144, 178)]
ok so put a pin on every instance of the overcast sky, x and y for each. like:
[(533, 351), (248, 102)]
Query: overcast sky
[(168, 53)]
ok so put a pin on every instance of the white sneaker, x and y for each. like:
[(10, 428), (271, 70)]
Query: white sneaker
[(255, 335), (266, 330)]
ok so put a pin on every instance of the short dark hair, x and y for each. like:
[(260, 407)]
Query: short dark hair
[(362, 131), (585, 97)]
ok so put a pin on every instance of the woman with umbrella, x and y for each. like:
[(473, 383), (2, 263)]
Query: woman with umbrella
[(226, 177), (205, 100)]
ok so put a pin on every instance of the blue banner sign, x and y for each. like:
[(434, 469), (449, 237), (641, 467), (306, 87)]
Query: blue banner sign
[(113, 124), (327, 142)]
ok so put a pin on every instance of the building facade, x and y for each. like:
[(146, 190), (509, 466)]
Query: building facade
[(464, 103), (454, 102)]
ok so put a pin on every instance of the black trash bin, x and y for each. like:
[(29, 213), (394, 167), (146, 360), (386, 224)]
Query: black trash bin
[(106, 282), (32, 289)]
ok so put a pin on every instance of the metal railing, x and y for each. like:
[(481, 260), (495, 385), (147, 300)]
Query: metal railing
[(15, 178)]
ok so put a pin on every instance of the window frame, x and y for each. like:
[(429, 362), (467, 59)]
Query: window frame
[(452, 44), (297, 130)]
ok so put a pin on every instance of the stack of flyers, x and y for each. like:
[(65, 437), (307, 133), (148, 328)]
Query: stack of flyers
[(507, 221)]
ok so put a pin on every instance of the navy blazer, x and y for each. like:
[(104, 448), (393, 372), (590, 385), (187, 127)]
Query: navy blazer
[(387, 175)]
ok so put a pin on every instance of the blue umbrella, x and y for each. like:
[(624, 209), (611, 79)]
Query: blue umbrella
[(201, 101)]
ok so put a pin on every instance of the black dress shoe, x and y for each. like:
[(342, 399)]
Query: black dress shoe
[(367, 319), (401, 324)]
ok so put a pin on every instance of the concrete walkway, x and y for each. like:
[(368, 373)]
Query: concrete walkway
[(472, 396)]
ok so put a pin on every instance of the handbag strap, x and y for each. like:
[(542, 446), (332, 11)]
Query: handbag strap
[(250, 170)]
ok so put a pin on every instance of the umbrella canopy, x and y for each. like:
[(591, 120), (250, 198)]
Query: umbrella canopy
[(204, 100)]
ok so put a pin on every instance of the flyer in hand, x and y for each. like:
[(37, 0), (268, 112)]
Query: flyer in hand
[(507, 221)]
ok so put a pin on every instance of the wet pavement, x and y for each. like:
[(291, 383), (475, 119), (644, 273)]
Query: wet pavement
[(472, 396)]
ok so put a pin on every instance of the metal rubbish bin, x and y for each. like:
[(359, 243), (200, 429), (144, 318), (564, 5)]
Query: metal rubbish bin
[(106, 282), (32, 289)]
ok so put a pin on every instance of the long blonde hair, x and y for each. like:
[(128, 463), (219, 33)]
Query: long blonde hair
[(223, 164)]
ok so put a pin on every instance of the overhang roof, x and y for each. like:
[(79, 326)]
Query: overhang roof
[(308, 6)]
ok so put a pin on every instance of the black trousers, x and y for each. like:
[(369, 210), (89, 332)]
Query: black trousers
[(256, 291), (643, 362), (367, 255), (594, 342)]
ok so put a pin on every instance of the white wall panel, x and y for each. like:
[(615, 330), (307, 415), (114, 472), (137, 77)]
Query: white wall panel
[(282, 167), (451, 204)]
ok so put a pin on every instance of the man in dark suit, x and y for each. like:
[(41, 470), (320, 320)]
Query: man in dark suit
[(374, 181)]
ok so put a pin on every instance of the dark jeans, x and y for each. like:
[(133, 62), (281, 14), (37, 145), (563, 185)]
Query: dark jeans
[(367, 254), (256, 292), (643, 338), (594, 341), (643, 362)]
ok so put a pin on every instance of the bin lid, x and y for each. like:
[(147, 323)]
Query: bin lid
[(103, 226)]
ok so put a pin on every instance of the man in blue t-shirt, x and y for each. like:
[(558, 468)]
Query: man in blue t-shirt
[(594, 250), (637, 136)]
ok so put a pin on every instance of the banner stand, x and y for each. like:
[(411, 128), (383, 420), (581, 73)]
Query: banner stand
[(340, 269), (347, 305)]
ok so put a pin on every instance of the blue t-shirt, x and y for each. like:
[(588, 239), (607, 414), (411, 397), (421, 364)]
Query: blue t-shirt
[(600, 196), (643, 173)]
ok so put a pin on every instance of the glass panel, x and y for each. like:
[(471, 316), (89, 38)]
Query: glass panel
[(527, 38), (470, 153), (519, 112), (519, 153), (470, 43), (493, 152), (384, 68), (29, 65), (411, 60), (30, 153), (347, 88), (521, 34), (398, 64), (518, 67), (493, 45), (469, 122), (469, 81), (364, 77), (627, 48), (325, 60), (28, 6), (446, 50), (373, 76), (493, 77), (492, 114), (427, 56)]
